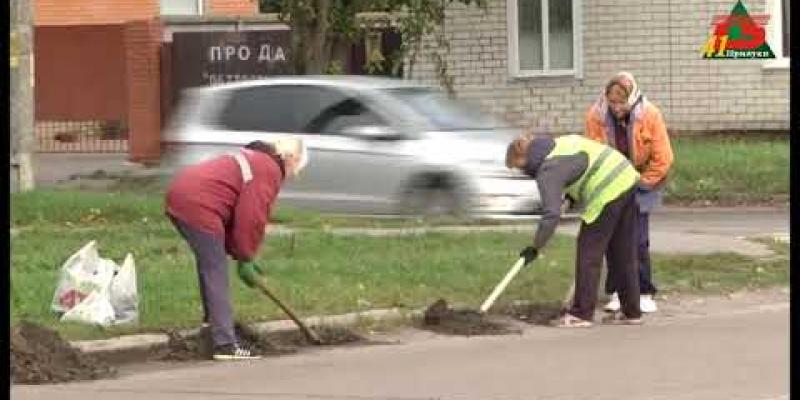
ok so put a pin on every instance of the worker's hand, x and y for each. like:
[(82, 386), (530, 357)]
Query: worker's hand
[(249, 272), (529, 254)]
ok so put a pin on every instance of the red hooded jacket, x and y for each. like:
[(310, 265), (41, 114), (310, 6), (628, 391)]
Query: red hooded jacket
[(212, 197)]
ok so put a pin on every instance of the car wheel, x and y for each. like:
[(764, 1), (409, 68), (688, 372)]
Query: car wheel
[(432, 196)]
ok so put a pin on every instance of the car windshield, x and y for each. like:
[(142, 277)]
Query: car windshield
[(444, 113)]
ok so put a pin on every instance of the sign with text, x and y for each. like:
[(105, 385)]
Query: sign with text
[(209, 58)]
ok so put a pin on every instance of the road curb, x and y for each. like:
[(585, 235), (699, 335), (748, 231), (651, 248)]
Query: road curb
[(147, 341)]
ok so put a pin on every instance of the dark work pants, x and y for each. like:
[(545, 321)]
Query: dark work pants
[(212, 271), (645, 272), (609, 235)]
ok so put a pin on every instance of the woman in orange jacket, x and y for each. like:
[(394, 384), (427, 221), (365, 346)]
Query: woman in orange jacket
[(623, 118)]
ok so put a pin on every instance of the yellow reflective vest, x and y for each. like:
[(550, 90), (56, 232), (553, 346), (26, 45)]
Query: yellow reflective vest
[(608, 174)]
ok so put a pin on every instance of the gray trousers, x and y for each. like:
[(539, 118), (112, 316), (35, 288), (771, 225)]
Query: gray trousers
[(212, 271), (609, 235)]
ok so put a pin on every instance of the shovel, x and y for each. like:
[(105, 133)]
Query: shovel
[(502, 285), (310, 335)]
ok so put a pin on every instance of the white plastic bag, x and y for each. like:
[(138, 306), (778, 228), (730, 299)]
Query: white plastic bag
[(123, 294), (82, 274), (95, 290), (94, 309)]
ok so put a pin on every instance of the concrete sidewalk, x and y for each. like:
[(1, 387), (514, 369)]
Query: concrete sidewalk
[(693, 231), (54, 168)]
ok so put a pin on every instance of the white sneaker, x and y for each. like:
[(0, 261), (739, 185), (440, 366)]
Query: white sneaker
[(234, 352), (613, 303), (647, 304)]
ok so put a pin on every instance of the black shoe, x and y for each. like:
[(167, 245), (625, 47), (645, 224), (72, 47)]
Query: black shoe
[(233, 352)]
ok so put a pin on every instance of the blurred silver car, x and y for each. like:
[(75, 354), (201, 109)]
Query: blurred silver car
[(376, 145)]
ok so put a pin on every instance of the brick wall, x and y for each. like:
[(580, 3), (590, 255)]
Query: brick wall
[(142, 48), (83, 12), (89, 12), (659, 41), (233, 7)]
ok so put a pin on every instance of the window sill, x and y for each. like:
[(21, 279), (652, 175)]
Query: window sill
[(776, 64), (519, 75)]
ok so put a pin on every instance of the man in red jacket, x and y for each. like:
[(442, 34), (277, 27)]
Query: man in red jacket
[(221, 207)]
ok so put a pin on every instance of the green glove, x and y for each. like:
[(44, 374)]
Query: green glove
[(249, 272)]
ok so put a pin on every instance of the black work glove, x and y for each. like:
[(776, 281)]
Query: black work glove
[(529, 254)]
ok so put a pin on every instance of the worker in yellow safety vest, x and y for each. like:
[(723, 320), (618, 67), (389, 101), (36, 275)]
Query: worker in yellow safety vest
[(602, 182)]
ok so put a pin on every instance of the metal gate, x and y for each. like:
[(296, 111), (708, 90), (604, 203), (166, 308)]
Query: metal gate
[(98, 136)]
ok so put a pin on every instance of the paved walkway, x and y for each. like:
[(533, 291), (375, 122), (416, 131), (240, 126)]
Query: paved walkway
[(673, 231), (52, 168)]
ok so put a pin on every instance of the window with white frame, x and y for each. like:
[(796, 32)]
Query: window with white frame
[(544, 37), (181, 7), (778, 32)]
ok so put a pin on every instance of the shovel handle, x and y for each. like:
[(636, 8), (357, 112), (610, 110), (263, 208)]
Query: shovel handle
[(310, 335), (502, 285)]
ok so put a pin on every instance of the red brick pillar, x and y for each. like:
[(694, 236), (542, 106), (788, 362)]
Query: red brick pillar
[(142, 77)]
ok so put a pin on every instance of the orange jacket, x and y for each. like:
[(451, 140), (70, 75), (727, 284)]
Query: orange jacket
[(650, 148)]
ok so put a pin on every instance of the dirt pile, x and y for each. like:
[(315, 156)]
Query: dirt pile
[(39, 355), (191, 348), (440, 318)]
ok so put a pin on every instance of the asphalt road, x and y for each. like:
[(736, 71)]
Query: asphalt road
[(725, 349)]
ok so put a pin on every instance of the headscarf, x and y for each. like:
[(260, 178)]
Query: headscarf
[(628, 82), (286, 146)]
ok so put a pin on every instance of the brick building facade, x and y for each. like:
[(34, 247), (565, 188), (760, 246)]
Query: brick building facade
[(98, 61), (104, 60), (659, 41), (92, 12)]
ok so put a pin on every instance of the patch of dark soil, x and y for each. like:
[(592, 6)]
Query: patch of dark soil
[(182, 347), (199, 347), (39, 355), (440, 318), (535, 313), (282, 342)]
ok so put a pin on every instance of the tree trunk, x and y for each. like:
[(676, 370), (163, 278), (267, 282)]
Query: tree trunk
[(298, 24), (317, 60), (309, 31)]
